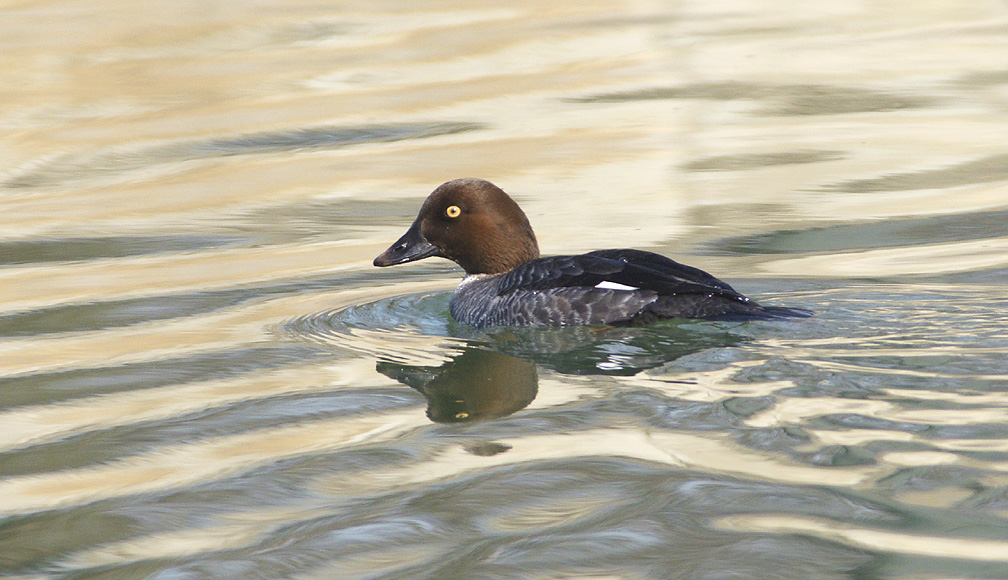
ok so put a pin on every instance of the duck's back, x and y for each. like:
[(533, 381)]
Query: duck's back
[(603, 287)]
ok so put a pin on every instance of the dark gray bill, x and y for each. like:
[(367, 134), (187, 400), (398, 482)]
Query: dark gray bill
[(411, 246)]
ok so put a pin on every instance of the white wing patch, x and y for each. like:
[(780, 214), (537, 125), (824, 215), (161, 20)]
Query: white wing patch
[(607, 285)]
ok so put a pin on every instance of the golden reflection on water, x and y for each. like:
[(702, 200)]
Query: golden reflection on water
[(711, 452), (237, 531), (37, 425), (717, 385), (233, 170), (929, 259), (46, 286), (188, 464), (987, 550)]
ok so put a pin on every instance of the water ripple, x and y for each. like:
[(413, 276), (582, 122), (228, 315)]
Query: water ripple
[(414, 328), (784, 100), (106, 163)]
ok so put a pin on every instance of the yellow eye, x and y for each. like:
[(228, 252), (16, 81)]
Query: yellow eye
[(453, 211)]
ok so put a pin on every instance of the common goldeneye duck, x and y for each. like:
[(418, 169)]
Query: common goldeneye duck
[(475, 224)]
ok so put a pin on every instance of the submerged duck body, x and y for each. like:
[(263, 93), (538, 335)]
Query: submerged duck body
[(477, 225)]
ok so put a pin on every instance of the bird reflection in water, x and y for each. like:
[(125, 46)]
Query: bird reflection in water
[(496, 375), (477, 384)]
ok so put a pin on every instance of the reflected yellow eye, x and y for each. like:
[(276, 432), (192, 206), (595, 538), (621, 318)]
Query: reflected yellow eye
[(453, 211)]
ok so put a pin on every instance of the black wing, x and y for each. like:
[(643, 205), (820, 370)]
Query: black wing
[(636, 268)]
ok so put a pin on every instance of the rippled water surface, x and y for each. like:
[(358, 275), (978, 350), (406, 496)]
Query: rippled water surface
[(203, 376)]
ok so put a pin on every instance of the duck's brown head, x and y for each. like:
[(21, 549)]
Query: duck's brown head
[(472, 222)]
